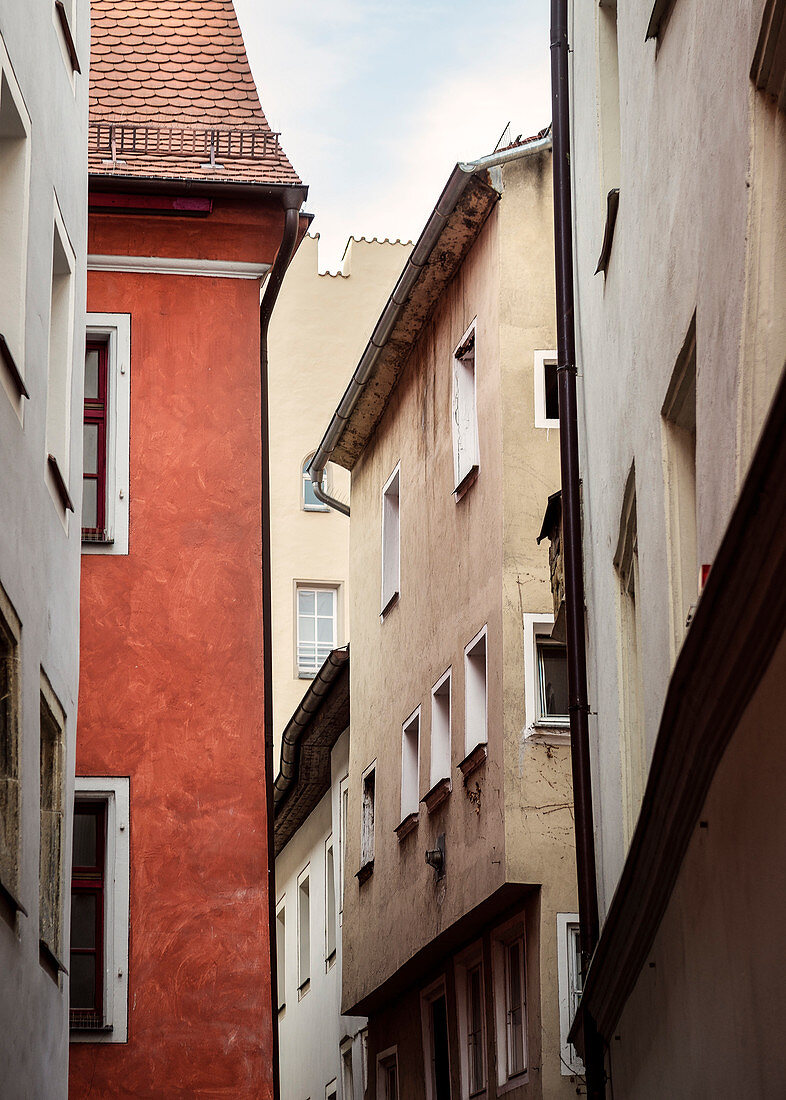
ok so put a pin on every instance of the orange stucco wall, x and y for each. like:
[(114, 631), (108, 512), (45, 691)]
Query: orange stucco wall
[(171, 690)]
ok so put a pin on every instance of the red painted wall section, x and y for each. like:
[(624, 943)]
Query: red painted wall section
[(171, 671)]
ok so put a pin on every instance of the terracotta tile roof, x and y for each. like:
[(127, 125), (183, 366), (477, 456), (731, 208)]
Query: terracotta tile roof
[(168, 79)]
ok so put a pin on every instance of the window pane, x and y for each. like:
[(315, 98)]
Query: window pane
[(307, 627), (552, 392), (553, 672), (475, 1037), (515, 1010), (325, 631), (325, 603), (90, 448), (85, 839), (89, 502), (91, 374), (83, 920), (305, 601), (83, 982)]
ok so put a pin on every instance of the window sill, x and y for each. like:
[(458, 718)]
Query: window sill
[(88, 1025), (11, 367), (330, 961), (365, 872), (407, 825), (50, 962), (67, 36), (60, 485), (473, 760), (612, 206), (466, 484), (434, 798), (282, 1011), (392, 601), (303, 989), (10, 905), (548, 735)]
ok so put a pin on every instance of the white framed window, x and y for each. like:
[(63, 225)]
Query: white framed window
[(570, 986), (364, 1058), (331, 917), (14, 215), (387, 1074), (303, 931), (436, 1044), (470, 1003), (410, 765), (391, 539), (508, 947), (316, 626), (108, 372), (331, 1089), (308, 498), (466, 456), (545, 680), (440, 729), (546, 390), (343, 824), (281, 952), (475, 693), (347, 1069), (102, 837), (367, 815), (60, 367)]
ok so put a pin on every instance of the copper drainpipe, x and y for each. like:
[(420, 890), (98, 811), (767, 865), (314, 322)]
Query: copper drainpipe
[(292, 199), (571, 520)]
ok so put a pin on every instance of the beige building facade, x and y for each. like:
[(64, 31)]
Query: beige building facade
[(459, 880)]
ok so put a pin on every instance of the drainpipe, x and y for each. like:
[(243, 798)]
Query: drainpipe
[(571, 520), (292, 200)]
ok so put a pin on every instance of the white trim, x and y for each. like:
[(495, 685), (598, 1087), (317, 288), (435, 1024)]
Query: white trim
[(281, 955), (462, 481), (535, 728), (391, 594), (570, 1062), (539, 374), (303, 982), (343, 818), (330, 956), (437, 691), (116, 327), (165, 265), (412, 804), (428, 995), (483, 740), (115, 791), (368, 837), (503, 938), (467, 960)]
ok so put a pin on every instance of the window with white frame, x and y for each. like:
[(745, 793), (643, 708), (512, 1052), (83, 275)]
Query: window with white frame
[(107, 421), (387, 1074), (364, 1058), (440, 729), (61, 340), (475, 1029), (331, 1089), (466, 457), (308, 500), (14, 207), (391, 539), (347, 1069), (410, 765), (330, 904), (367, 816), (475, 693), (303, 932), (546, 390), (546, 697), (98, 963), (436, 1044), (570, 987), (343, 820), (281, 953), (510, 1003), (316, 627)]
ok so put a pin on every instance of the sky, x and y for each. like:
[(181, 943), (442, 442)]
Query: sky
[(376, 101)]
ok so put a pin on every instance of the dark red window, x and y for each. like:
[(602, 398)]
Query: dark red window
[(95, 431), (87, 915)]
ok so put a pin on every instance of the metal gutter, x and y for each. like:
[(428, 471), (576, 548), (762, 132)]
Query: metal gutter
[(418, 260)]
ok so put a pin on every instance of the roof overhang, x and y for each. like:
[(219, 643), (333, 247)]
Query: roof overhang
[(160, 185)]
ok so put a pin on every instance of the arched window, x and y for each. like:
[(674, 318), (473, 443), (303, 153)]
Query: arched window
[(309, 497)]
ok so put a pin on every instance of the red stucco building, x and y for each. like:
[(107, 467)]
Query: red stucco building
[(170, 989)]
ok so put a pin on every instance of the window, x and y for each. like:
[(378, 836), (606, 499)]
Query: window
[(61, 338), (281, 953), (10, 631), (14, 206), (309, 502), (475, 697), (51, 862), (347, 1071), (546, 390), (410, 765), (626, 561), (546, 697), (65, 21), (367, 818), (105, 470), (391, 540), (436, 1046), (98, 965), (679, 466), (330, 904), (440, 729), (331, 1089), (508, 948), (364, 1057), (316, 628), (387, 1074), (303, 932), (470, 1005), (342, 838), (570, 986), (466, 458), (609, 94)]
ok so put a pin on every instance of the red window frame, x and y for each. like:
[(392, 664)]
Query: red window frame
[(91, 880), (96, 413)]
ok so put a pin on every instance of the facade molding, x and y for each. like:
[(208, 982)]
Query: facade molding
[(165, 265)]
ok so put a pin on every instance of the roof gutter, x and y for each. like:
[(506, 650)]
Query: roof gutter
[(418, 260)]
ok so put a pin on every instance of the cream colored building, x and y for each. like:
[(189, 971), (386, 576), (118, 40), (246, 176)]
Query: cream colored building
[(681, 346), (320, 325), (459, 878)]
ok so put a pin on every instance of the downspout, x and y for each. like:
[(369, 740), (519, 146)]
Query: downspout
[(292, 200), (572, 537), (418, 259)]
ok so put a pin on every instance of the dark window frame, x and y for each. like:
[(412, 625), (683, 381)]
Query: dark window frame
[(96, 412), (91, 880)]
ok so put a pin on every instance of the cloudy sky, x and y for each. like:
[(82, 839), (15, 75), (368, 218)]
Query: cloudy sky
[(377, 101)]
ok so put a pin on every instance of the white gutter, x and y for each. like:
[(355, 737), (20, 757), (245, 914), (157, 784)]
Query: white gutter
[(418, 259)]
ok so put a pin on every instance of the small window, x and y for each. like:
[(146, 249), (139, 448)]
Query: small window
[(364, 1058), (466, 459), (476, 1054), (440, 729), (570, 988), (52, 792), (391, 540), (410, 765), (58, 401), (304, 932), (367, 819), (310, 503), (475, 693), (347, 1071), (281, 953), (342, 838), (436, 1042), (10, 630), (546, 390), (95, 443), (330, 903), (515, 1007), (331, 1089), (316, 628), (387, 1074), (553, 701)]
